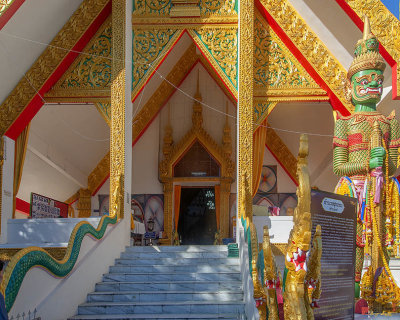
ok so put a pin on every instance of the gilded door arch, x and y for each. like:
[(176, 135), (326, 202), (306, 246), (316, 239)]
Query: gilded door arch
[(173, 152)]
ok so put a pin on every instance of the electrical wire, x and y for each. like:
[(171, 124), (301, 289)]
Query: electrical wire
[(151, 66)]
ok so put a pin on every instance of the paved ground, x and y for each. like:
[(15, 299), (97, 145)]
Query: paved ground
[(377, 317)]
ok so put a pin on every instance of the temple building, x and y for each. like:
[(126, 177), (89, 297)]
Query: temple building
[(154, 124)]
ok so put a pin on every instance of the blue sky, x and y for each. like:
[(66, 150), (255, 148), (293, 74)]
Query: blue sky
[(393, 6)]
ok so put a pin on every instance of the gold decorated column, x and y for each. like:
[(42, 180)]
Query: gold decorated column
[(117, 130), (245, 110)]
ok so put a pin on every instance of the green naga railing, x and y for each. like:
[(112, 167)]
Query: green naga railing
[(31, 257)]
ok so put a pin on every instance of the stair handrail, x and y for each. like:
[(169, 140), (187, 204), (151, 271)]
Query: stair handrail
[(30, 257)]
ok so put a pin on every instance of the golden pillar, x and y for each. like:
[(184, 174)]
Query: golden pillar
[(117, 130), (84, 203), (245, 116)]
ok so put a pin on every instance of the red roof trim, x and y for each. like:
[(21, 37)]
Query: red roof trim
[(36, 103), (7, 15), (334, 100)]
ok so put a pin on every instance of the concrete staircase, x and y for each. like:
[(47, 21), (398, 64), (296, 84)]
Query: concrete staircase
[(180, 282)]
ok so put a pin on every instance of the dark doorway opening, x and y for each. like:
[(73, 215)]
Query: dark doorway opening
[(197, 216)]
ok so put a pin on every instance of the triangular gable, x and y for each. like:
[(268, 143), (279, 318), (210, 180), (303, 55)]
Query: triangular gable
[(150, 47), (276, 70), (220, 47), (88, 79)]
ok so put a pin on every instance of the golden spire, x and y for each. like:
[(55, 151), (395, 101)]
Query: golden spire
[(197, 117), (168, 141), (367, 28)]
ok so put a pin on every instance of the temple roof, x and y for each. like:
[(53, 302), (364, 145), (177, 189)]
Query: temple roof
[(71, 130)]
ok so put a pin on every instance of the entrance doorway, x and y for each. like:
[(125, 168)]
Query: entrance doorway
[(197, 216)]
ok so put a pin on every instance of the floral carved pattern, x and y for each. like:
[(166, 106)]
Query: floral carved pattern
[(220, 7), (51, 57), (148, 46), (223, 45), (273, 67), (93, 68), (311, 47), (262, 110), (105, 110), (153, 7)]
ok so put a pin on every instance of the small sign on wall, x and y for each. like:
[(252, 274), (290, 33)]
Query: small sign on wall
[(43, 207)]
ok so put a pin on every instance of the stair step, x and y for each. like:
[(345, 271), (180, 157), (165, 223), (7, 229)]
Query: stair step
[(183, 286), (173, 276), (163, 316), (173, 261), (176, 254), (171, 268), (196, 248), (181, 282), (169, 307), (163, 297)]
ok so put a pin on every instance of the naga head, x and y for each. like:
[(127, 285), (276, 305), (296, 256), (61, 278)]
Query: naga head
[(365, 75), (299, 244)]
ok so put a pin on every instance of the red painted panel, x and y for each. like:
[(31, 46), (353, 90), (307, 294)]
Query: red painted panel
[(22, 206)]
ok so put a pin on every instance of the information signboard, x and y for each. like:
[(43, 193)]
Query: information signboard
[(337, 216), (44, 207)]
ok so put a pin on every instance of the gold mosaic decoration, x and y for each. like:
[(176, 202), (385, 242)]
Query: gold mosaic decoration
[(151, 7), (221, 44), (44, 66), (311, 47), (90, 74), (117, 132), (276, 71), (262, 110), (220, 7), (149, 47), (246, 111)]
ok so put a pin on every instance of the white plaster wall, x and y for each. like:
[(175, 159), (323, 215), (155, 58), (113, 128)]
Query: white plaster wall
[(147, 152), (58, 299), (214, 108), (41, 231), (145, 155), (279, 227), (316, 119), (7, 186)]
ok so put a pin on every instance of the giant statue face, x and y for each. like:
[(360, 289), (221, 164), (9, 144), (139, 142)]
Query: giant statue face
[(367, 86)]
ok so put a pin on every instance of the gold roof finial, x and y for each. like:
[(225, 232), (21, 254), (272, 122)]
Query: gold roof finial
[(367, 28)]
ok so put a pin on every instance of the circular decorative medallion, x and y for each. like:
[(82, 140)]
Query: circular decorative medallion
[(268, 180)]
